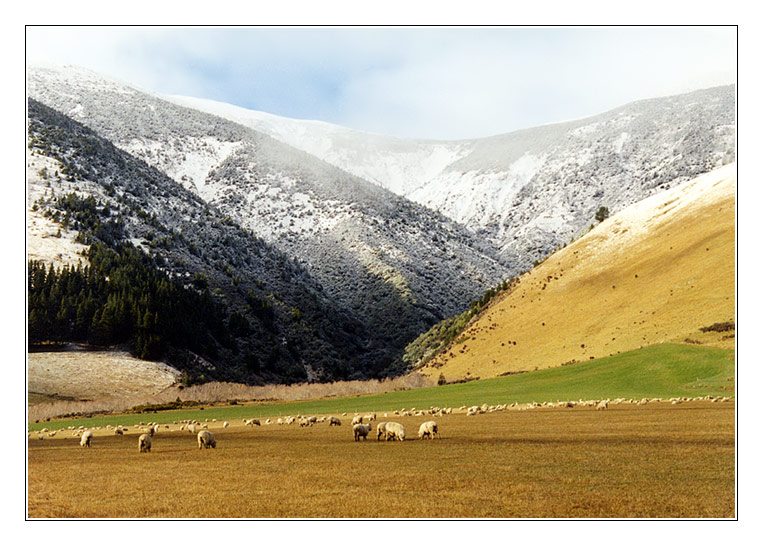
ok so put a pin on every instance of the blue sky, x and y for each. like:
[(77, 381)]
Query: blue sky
[(424, 82)]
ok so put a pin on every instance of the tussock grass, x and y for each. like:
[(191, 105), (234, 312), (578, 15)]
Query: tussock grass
[(648, 461)]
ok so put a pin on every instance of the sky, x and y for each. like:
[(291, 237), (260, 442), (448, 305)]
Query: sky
[(418, 82)]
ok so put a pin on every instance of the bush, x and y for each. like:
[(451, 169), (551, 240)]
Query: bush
[(602, 214)]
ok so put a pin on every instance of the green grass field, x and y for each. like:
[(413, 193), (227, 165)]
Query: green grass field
[(659, 371)]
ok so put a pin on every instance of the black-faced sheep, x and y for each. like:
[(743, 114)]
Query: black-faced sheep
[(395, 431), (428, 430), (144, 443), (87, 437), (361, 431), (206, 439)]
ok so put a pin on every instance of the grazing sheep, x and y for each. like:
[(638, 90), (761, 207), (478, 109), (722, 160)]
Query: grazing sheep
[(154, 429), (335, 421), (118, 431), (428, 430), (206, 439), (268, 422), (370, 417), (604, 404), (360, 430), (357, 420), (226, 424), (191, 428), (252, 422), (144, 443), (87, 437), (381, 431), (395, 431), (279, 421), (312, 420)]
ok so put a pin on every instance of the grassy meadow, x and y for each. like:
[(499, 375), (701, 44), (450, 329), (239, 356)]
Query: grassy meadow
[(653, 461), (663, 371)]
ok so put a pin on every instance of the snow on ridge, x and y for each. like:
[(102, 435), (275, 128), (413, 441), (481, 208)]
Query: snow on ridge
[(639, 219), (399, 165)]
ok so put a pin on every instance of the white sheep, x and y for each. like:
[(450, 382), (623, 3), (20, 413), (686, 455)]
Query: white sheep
[(226, 424), (87, 437), (395, 431), (144, 443), (370, 417), (357, 420), (360, 431), (206, 439), (191, 428), (381, 431), (604, 404), (335, 421), (428, 430)]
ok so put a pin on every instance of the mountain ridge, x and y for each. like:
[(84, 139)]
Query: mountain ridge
[(522, 190)]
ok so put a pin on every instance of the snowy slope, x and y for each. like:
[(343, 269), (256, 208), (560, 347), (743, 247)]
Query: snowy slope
[(529, 191), (523, 193), (373, 252), (394, 163)]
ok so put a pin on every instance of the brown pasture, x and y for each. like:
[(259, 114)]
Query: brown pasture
[(652, 461)]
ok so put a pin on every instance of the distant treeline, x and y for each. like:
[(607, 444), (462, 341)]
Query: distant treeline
[(123, 298)]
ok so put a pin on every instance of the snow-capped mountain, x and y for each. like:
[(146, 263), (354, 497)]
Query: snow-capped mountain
[(398, 266), (528, 191)]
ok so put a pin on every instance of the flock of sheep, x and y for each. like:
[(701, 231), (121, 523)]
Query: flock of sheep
[(361, 424), (205, 439)]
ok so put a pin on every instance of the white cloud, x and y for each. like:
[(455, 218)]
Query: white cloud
[(430, 82)]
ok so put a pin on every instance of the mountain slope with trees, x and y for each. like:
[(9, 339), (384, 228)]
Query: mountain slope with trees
[(396, 265), (169, 276)]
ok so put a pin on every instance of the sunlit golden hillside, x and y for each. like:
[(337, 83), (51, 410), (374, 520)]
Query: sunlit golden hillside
[(656, 272)]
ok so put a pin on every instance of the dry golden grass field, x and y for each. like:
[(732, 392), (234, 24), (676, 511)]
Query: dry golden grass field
[(653, 461), (656, 272)]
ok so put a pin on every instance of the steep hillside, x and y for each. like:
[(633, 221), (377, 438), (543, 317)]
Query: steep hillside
[(661, 270), (375, 253), (170, 271), (529, 191)]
